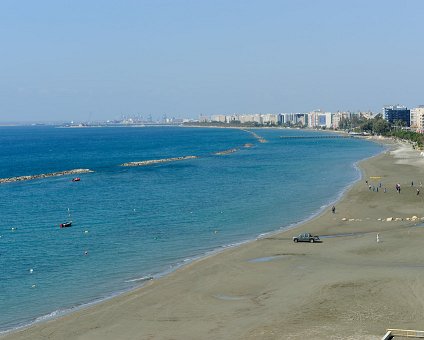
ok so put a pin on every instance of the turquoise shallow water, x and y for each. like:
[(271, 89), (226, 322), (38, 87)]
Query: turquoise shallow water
[(146, 221)]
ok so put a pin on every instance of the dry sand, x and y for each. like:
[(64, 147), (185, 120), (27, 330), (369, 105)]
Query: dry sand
[(347, 287)]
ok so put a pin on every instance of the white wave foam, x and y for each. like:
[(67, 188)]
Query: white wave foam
[(138, 279), (49, 316)]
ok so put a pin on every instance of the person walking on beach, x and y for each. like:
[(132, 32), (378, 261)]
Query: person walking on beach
[(418, 191), (333, 209)]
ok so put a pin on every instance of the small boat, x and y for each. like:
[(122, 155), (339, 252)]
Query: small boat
[(76, 179), (68, 223)]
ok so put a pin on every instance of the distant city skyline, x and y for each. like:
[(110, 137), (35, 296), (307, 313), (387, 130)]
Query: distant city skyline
[(97, 60)]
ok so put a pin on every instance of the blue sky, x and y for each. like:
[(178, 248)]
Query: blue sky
[(81, 60)]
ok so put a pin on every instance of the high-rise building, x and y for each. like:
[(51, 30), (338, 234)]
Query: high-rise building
[(417, 118), (317, 118), (288, 118), (338, 117), (301, 118), (393, 113)]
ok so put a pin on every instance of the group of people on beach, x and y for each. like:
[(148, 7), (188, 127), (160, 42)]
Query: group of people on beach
[(374, 187), (397, 187), (412, 184)]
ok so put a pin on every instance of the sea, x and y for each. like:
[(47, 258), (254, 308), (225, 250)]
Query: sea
[(133, 224)]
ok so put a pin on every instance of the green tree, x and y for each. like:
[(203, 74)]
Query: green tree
[(380, 126), (367, 126)]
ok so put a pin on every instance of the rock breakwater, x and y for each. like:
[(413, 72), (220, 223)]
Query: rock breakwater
[(259, 138), (158, 161), (52, 174), (226, 152)]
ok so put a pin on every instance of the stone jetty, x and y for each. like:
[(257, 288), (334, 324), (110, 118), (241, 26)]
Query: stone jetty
[(226, 152), (158, 161), (259, 138), (52, 174)]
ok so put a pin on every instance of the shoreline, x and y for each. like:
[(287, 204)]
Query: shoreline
[(58, 314), (36, 329)]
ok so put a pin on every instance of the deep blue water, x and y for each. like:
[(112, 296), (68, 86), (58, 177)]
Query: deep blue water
[(146, 221)]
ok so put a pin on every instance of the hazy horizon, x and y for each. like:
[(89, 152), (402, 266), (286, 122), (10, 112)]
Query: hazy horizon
[(97, 60)]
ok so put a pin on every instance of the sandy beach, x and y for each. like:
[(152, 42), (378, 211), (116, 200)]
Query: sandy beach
[(348, 287)]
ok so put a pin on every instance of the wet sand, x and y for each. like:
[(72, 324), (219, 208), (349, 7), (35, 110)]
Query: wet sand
[(348, 287)]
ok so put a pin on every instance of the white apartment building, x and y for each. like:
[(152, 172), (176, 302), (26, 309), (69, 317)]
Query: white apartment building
[(417, 118), (270, 119), (250, 118), (245, 118), (317, 118), (219, 118), (326, 119), (232, 118), (313, 118), (338, 117), (294, 118), (288, 118)]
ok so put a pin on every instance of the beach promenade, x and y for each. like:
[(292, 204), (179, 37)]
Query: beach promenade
[(348, 287)]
